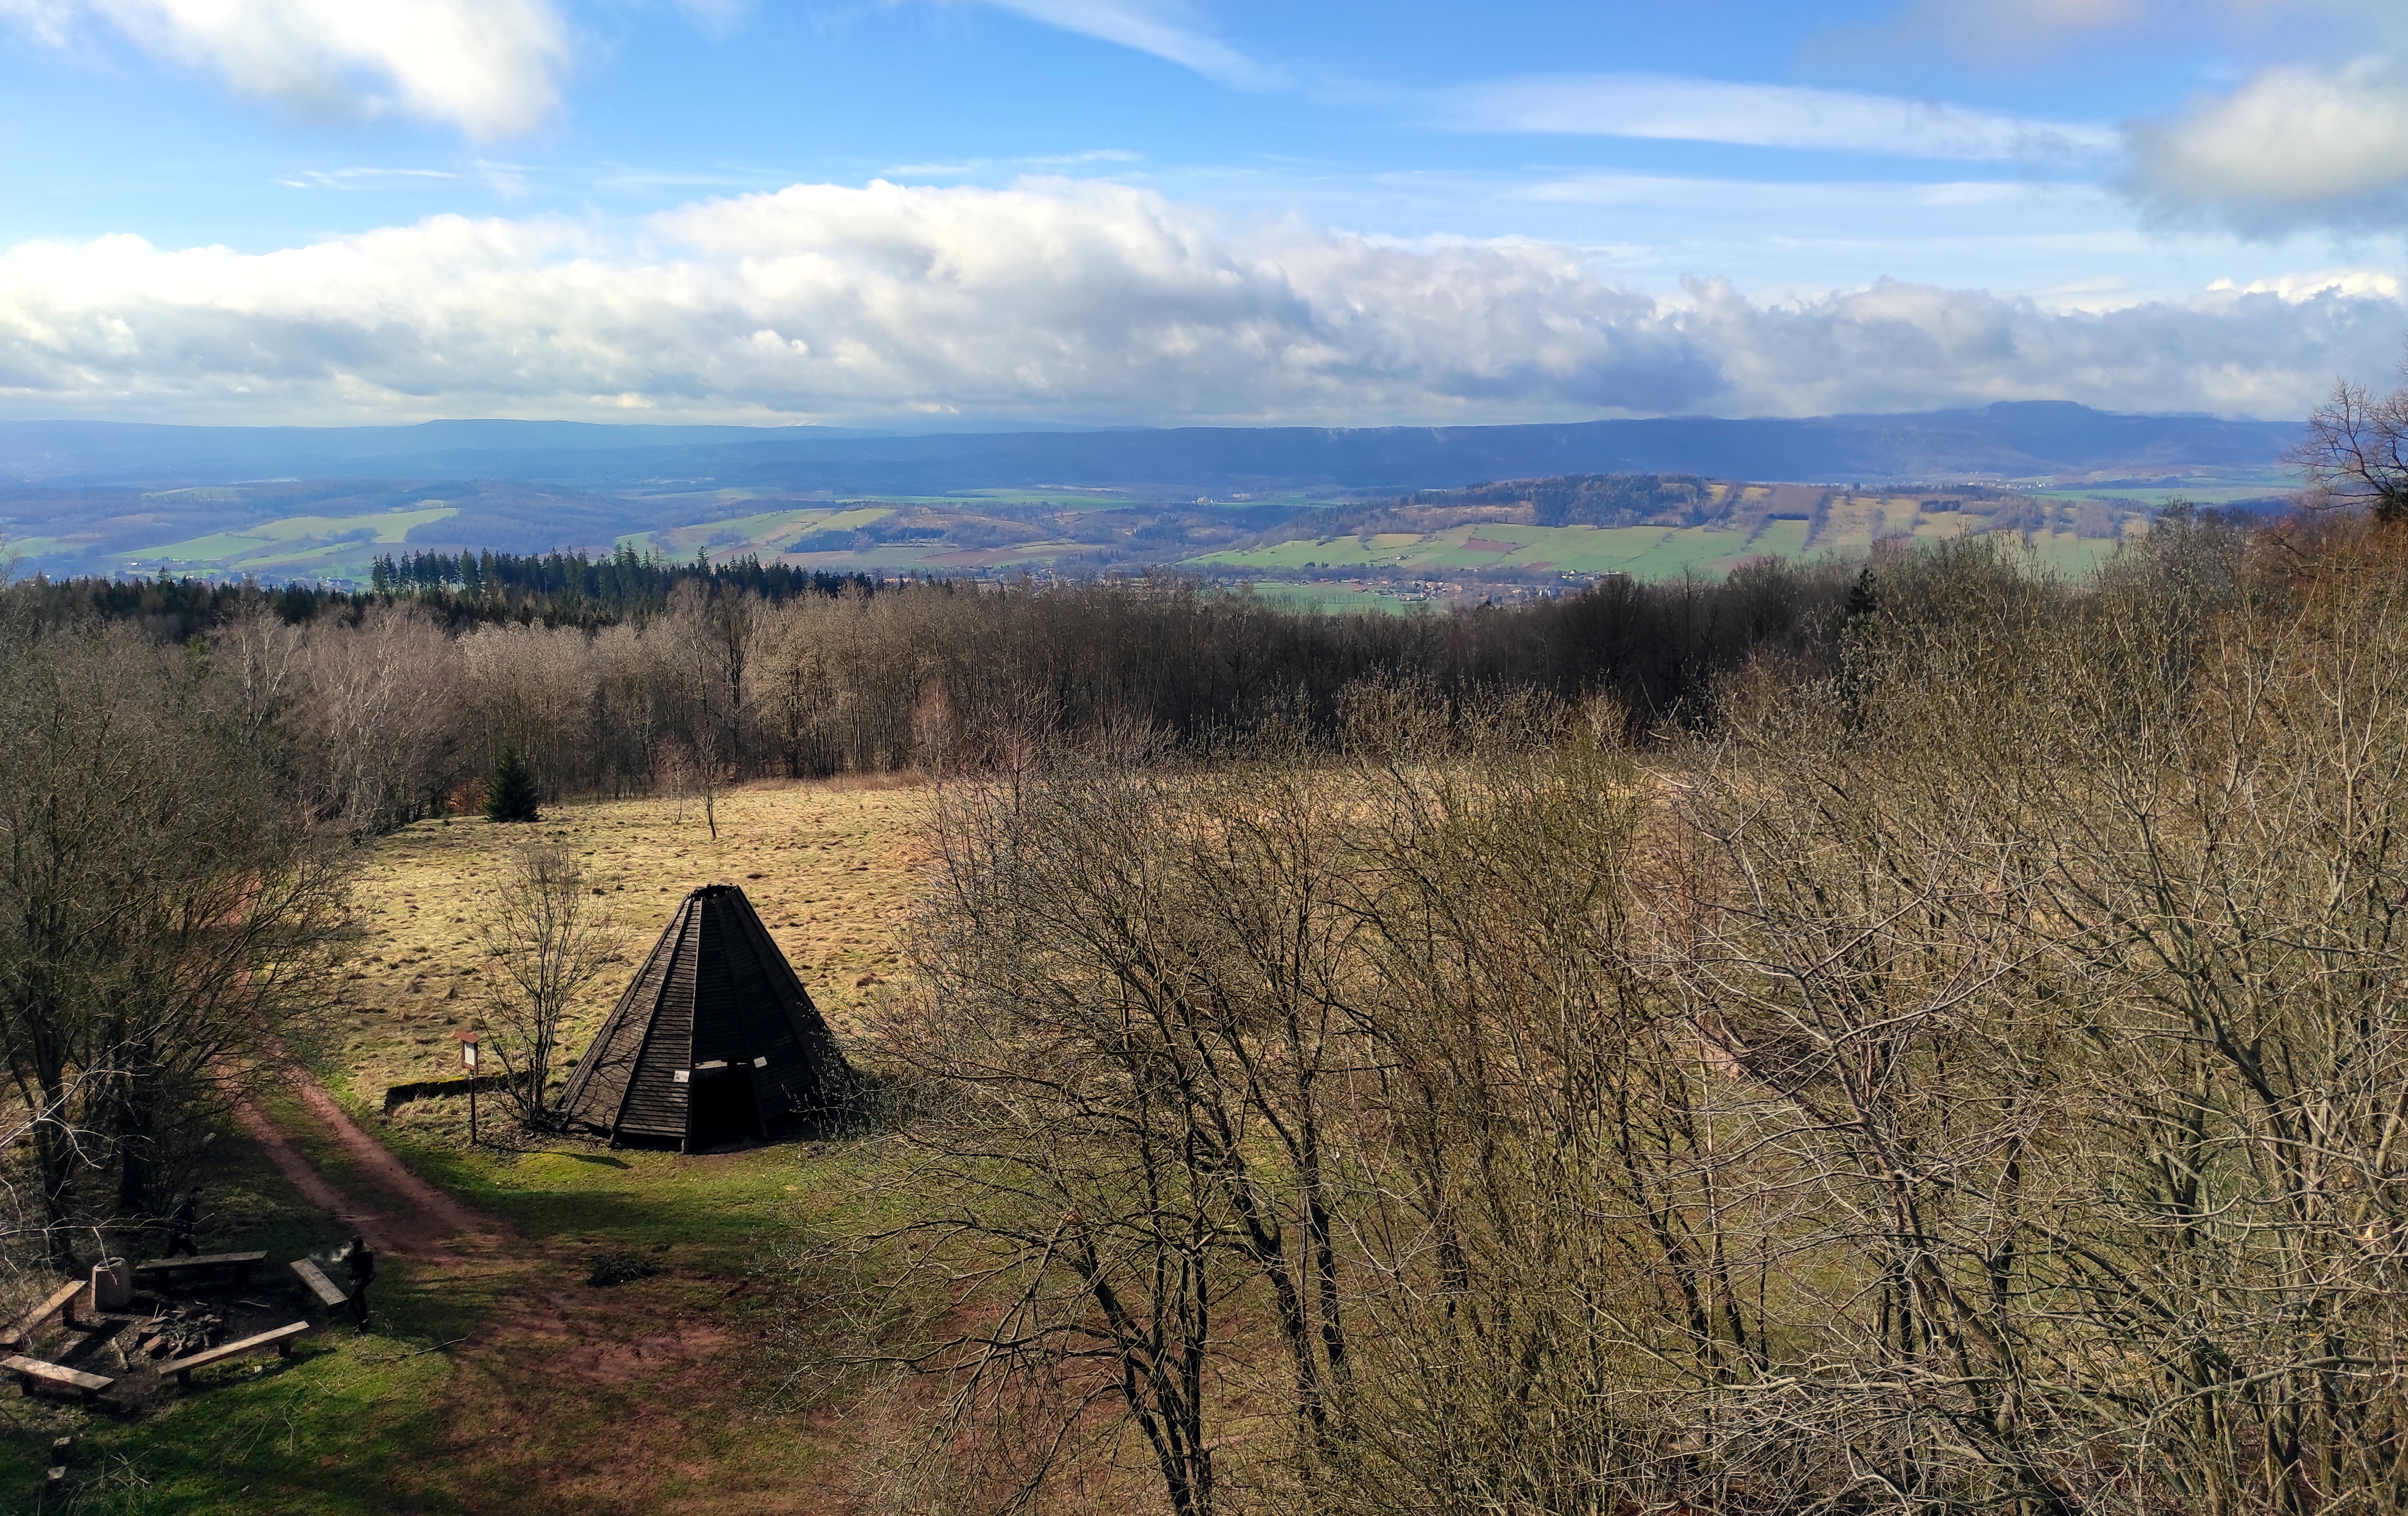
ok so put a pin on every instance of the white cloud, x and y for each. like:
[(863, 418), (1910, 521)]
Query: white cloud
[(1760, 115), (1168, 29), (2293, 146), (357, 178), (1025, 163), (1065, 301), (491, 67), (2307, 284)]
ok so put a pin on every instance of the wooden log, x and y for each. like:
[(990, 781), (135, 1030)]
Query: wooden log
[(32, 1371), (22, 1331), (329, 1293), (241, 1262), (280, 1339)]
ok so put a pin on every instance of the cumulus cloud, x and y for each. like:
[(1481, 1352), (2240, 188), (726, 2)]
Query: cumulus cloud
[(1759, 115), (491, 67), (2293, 146), (1070, 303)]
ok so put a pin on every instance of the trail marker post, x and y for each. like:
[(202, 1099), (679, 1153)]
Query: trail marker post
[(468, 1061)]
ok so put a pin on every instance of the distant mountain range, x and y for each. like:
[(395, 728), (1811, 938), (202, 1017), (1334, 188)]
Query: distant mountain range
[(2013, 440)]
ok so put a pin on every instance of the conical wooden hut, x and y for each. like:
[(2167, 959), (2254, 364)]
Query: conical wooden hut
[(713, 1041)]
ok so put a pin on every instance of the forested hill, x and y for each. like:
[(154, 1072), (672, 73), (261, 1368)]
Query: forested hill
[(2017, 439)]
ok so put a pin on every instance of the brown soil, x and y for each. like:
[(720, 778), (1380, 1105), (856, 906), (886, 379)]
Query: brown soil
[(430, 1224)]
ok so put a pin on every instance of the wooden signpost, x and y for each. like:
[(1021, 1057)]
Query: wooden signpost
[(468, 1061)]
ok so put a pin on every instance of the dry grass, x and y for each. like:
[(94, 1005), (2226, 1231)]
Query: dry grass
[(832, 867)]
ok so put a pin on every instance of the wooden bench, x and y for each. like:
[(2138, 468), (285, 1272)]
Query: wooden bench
[(329, 1293), (241, 1262), (32, 1371), (280, 1339), (22, 1330)]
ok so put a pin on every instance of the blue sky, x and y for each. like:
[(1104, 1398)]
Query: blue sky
[(945, 212)]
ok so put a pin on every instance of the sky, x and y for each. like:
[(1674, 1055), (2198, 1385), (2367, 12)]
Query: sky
[(956, 213)]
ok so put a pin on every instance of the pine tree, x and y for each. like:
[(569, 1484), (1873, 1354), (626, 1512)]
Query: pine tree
[(509, 795)]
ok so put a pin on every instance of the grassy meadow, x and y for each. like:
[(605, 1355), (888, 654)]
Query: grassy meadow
[(831, 872)]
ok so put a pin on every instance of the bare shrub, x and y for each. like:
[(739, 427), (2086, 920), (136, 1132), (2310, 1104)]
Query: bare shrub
[(544, 940)]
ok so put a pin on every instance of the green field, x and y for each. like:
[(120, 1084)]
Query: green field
[(768, 534), (2161, 495), (1334, 599), (1651, 552), (1846, 524), (335, 546), (1054, 499), (2067, 555)]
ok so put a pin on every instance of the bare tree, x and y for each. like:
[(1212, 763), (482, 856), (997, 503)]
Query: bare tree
[(383, 717), (710, 773), (673, 776), (544, 941), (161, 907), (2356, 450)]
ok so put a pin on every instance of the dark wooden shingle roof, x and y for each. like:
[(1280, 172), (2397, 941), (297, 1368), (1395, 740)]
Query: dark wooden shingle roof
[(715, 997)]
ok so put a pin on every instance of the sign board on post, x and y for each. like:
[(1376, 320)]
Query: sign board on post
[(468, 1061)]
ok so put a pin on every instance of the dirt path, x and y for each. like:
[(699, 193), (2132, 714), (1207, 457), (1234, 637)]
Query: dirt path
[(427, 1224)]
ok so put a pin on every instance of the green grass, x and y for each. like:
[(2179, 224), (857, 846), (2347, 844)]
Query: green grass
[(1332, 599), (1784, 538), (1057, 499), (1651, 552), (2069, 556), (327, 543), (1686, 550), (768, 533), (417, 1414), (2161, 495)]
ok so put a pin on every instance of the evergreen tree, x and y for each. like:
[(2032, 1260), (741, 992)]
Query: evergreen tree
[(509, 795)]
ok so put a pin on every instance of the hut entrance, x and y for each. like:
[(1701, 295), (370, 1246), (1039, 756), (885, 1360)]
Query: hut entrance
[(723, 1111)]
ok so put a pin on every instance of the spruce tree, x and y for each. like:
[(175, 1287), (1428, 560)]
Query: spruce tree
[(509, 795)]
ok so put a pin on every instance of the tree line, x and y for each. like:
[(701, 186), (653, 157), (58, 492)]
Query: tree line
[(615, 586), (555, 589), (391, 706)]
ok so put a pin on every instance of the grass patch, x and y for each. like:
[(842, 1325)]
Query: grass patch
[(1332, 599), (323, 541)]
